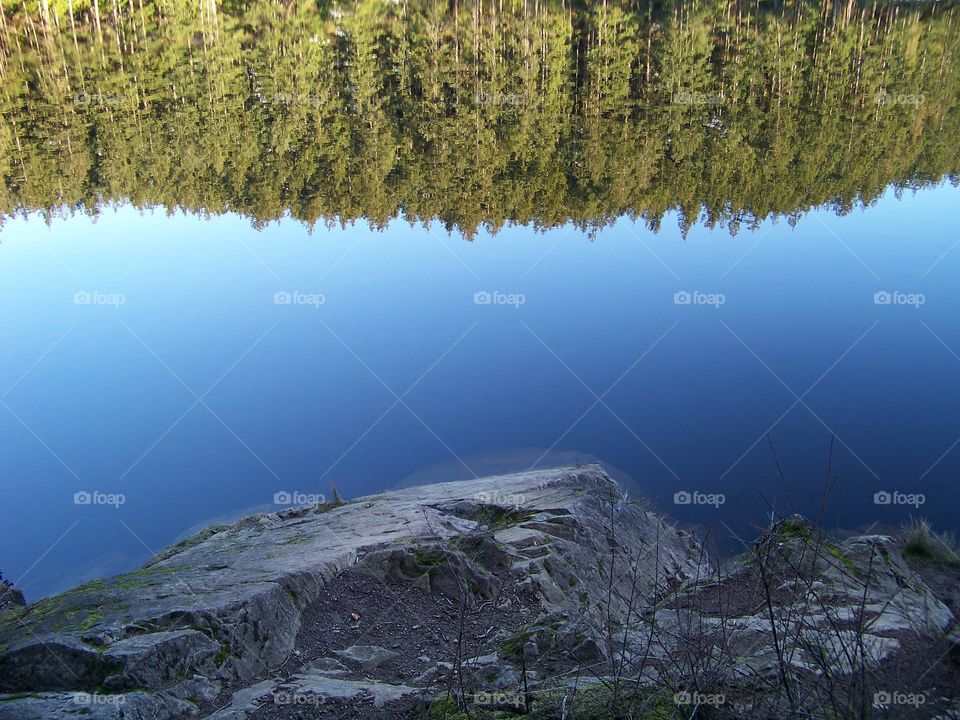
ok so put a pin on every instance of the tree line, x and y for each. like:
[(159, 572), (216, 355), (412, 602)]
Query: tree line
[(476, 114)]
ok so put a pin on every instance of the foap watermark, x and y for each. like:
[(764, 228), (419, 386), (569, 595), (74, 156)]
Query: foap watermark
[(295, 297), (895, 497), (295, 497), (887, 698), (882, 97), (497, 98), (86, 699), (495, 297), (96, 297), (498, 699), (695, 297), (895, 297), (95, 497), (685, 497), (514, 500), (295, 698), (84, 98), (286, 98), (687, 97), (685, 697)]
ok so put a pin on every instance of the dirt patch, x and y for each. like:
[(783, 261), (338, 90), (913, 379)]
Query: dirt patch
[(421, 628)]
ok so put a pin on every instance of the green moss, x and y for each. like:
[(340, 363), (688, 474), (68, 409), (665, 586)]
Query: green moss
[(794, 528), (144, 576), (512, 647), (82, 607), (221, 656), (17, 696), (93, 618), (496, 517), (326, 507), (839, 555), (595, 702), (186, 543), (446, 708), (426, 560), (12, 615)]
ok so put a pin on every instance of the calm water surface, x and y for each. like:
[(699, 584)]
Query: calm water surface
[(211, 302)]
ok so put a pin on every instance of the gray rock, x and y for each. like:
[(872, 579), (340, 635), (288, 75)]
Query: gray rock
[(68, 706), (228, 603), (433, 568), (245, 701), (366, 656), (158, 659), (440, 671), (836, 607), (317, 688), (326, 665), (226, 606), (493, 677), (490, 659)]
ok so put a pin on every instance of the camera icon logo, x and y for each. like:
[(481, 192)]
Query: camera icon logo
[(882, 498), (282, 498), (682, 298), (82, 497), (682, 498), (482, 298), (882, 298), (81, 298), (282, 298)]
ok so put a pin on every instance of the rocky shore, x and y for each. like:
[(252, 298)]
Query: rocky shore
[(548, 593)]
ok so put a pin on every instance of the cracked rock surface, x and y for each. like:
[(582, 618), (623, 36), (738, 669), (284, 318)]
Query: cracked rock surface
[(223, 610), (498, 588)]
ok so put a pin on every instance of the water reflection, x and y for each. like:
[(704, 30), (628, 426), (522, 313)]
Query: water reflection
[(363, 355), (477, 114)]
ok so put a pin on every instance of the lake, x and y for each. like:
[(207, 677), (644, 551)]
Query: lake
[(251, 251)]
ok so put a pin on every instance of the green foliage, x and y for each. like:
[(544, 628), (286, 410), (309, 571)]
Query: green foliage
[(596, 702), (839, 555), (476, 115), (921, 543), (445, 708), (589, 702), (512, 647), (794, 528)]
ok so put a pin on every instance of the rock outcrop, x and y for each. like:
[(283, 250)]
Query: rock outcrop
[(504, 592)]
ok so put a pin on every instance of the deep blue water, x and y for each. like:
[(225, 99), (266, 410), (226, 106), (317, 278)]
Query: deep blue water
[(184, 386)]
